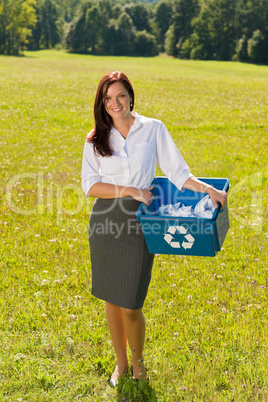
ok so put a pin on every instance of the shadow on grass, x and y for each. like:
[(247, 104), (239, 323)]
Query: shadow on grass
[(18, 56), (129, 390)]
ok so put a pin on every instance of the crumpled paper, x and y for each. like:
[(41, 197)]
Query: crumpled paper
[(203, 209)]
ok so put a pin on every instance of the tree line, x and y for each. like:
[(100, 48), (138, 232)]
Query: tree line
[(189, 29)]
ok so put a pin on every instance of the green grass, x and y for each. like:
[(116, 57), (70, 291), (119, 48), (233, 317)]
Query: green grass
[(207, 318)]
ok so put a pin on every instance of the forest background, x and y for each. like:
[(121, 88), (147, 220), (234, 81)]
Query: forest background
[(188, 29)]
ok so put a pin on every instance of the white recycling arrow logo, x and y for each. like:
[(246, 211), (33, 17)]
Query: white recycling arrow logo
[(175, 244)]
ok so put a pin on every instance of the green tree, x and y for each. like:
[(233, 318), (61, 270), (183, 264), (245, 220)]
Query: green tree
[(109, 11), (162, 20), (76, 37), (109, 36), (200, 44), (125, 35), (17, 19), (106, 9), (191, 49), (258, 47), (214, 30), (145, 44), (49, 24), (68, 9), (93, 28), (116, 11), (140, 16), (48, 30), (251, 16), (252, 28), (35, 38), (242, 49), (183, 13)]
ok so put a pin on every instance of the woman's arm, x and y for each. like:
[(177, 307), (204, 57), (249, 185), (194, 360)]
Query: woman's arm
[(216, 195), (107, 190), (169, 158)]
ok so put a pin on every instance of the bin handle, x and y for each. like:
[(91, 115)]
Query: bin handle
[(226, 188), (221, 210)]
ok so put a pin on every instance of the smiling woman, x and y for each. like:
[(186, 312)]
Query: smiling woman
[(118, 101), (106, 99), (119, 165), (118, 104)]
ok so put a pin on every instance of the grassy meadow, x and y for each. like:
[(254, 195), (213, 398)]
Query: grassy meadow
[(207, 318)]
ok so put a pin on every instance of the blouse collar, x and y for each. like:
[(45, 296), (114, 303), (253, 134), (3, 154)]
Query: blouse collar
[(134, 127)]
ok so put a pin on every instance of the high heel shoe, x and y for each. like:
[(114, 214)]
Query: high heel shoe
[(113, 382)]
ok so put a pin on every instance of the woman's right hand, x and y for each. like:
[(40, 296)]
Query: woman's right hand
[(143, 195)]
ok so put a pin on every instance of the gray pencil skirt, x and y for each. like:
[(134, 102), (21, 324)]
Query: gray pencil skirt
[(121, 263)]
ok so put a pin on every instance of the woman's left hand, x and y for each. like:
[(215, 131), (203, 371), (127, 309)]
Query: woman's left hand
[(218, 196)]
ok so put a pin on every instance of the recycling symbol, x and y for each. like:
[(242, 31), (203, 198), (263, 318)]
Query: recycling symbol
[(175, 244)]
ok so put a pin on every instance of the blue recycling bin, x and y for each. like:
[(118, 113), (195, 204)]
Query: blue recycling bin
[(179, 235)]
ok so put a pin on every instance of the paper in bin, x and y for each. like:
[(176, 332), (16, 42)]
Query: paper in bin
[(203, 209)]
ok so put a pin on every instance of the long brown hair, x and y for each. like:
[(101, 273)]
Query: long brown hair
[(103, 121)]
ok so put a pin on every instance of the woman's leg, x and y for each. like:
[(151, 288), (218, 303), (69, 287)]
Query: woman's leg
[(116, 327), (135, 332)]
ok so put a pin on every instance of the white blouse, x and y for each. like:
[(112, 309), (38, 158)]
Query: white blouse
[(133, 163)]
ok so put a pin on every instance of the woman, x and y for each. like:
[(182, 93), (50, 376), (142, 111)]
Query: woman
[(119, 164)]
